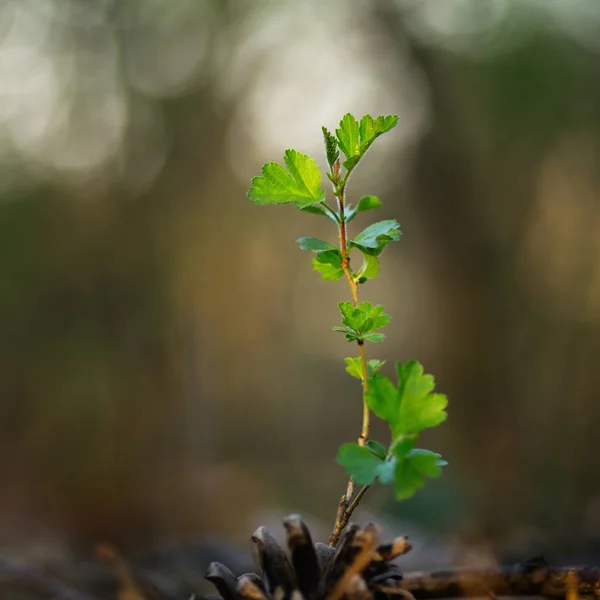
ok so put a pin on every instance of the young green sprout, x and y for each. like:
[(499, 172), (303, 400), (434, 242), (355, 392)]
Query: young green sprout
[(410, 406)]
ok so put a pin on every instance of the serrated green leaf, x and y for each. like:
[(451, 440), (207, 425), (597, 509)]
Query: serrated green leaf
[(315, 244), (370, 129), (378, 318), (419, 408), (331, 147), (360, 463), (362, 320), (369, 269), (412, 469), (346, 308), (374, 337), (300, 184), (354, 367), (411, 407), (354, 139), (351, 336), (348, 138), (367, 463), (329, 264), (377, 449), (375, 238), (382, 398), (346, 330)]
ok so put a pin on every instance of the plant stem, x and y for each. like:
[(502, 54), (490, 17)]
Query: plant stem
[(346, 505), (344, 515), (364, 434)]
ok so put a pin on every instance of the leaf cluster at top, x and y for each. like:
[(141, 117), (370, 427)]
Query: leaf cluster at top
[(300, 184), (355, 138)]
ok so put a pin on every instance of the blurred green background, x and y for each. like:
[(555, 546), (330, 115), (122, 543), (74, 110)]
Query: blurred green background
[(168, 369)]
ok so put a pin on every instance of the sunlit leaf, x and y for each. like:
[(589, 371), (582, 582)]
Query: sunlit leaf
[(300, 184)]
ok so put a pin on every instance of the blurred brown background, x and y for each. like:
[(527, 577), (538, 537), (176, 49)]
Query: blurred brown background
[(168, 369)]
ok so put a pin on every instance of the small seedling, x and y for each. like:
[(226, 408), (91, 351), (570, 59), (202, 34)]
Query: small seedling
[(410, 406)]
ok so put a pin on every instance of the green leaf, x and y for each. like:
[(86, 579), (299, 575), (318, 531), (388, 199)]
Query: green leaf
[(329, 264), (346, 308), (374, 365), (354, 139), (377, 449), (331, 147), (374, 337), (368, 203), (360, 463), (315, 244), (354, 367), (410, 408), (365, 203), (387, 470), (362, 320), (367, 463), (382, 398), (419, 407), (315, 209), (375, 238), (412, 469), (378, 317), (301, 184), (370, 129), (404, 445), (351, 335), (348, 139), (364, 317), (369, 269), (351, 163)]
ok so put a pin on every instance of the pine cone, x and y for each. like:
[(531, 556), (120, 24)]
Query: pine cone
[(358, 569)]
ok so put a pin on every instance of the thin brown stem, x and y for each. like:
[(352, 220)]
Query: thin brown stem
[(344, 247), (340, 197), (351, 282), (364, 434), (347, 505), (345, 518)]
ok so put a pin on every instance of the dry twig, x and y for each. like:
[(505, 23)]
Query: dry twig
[(531, 578)]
